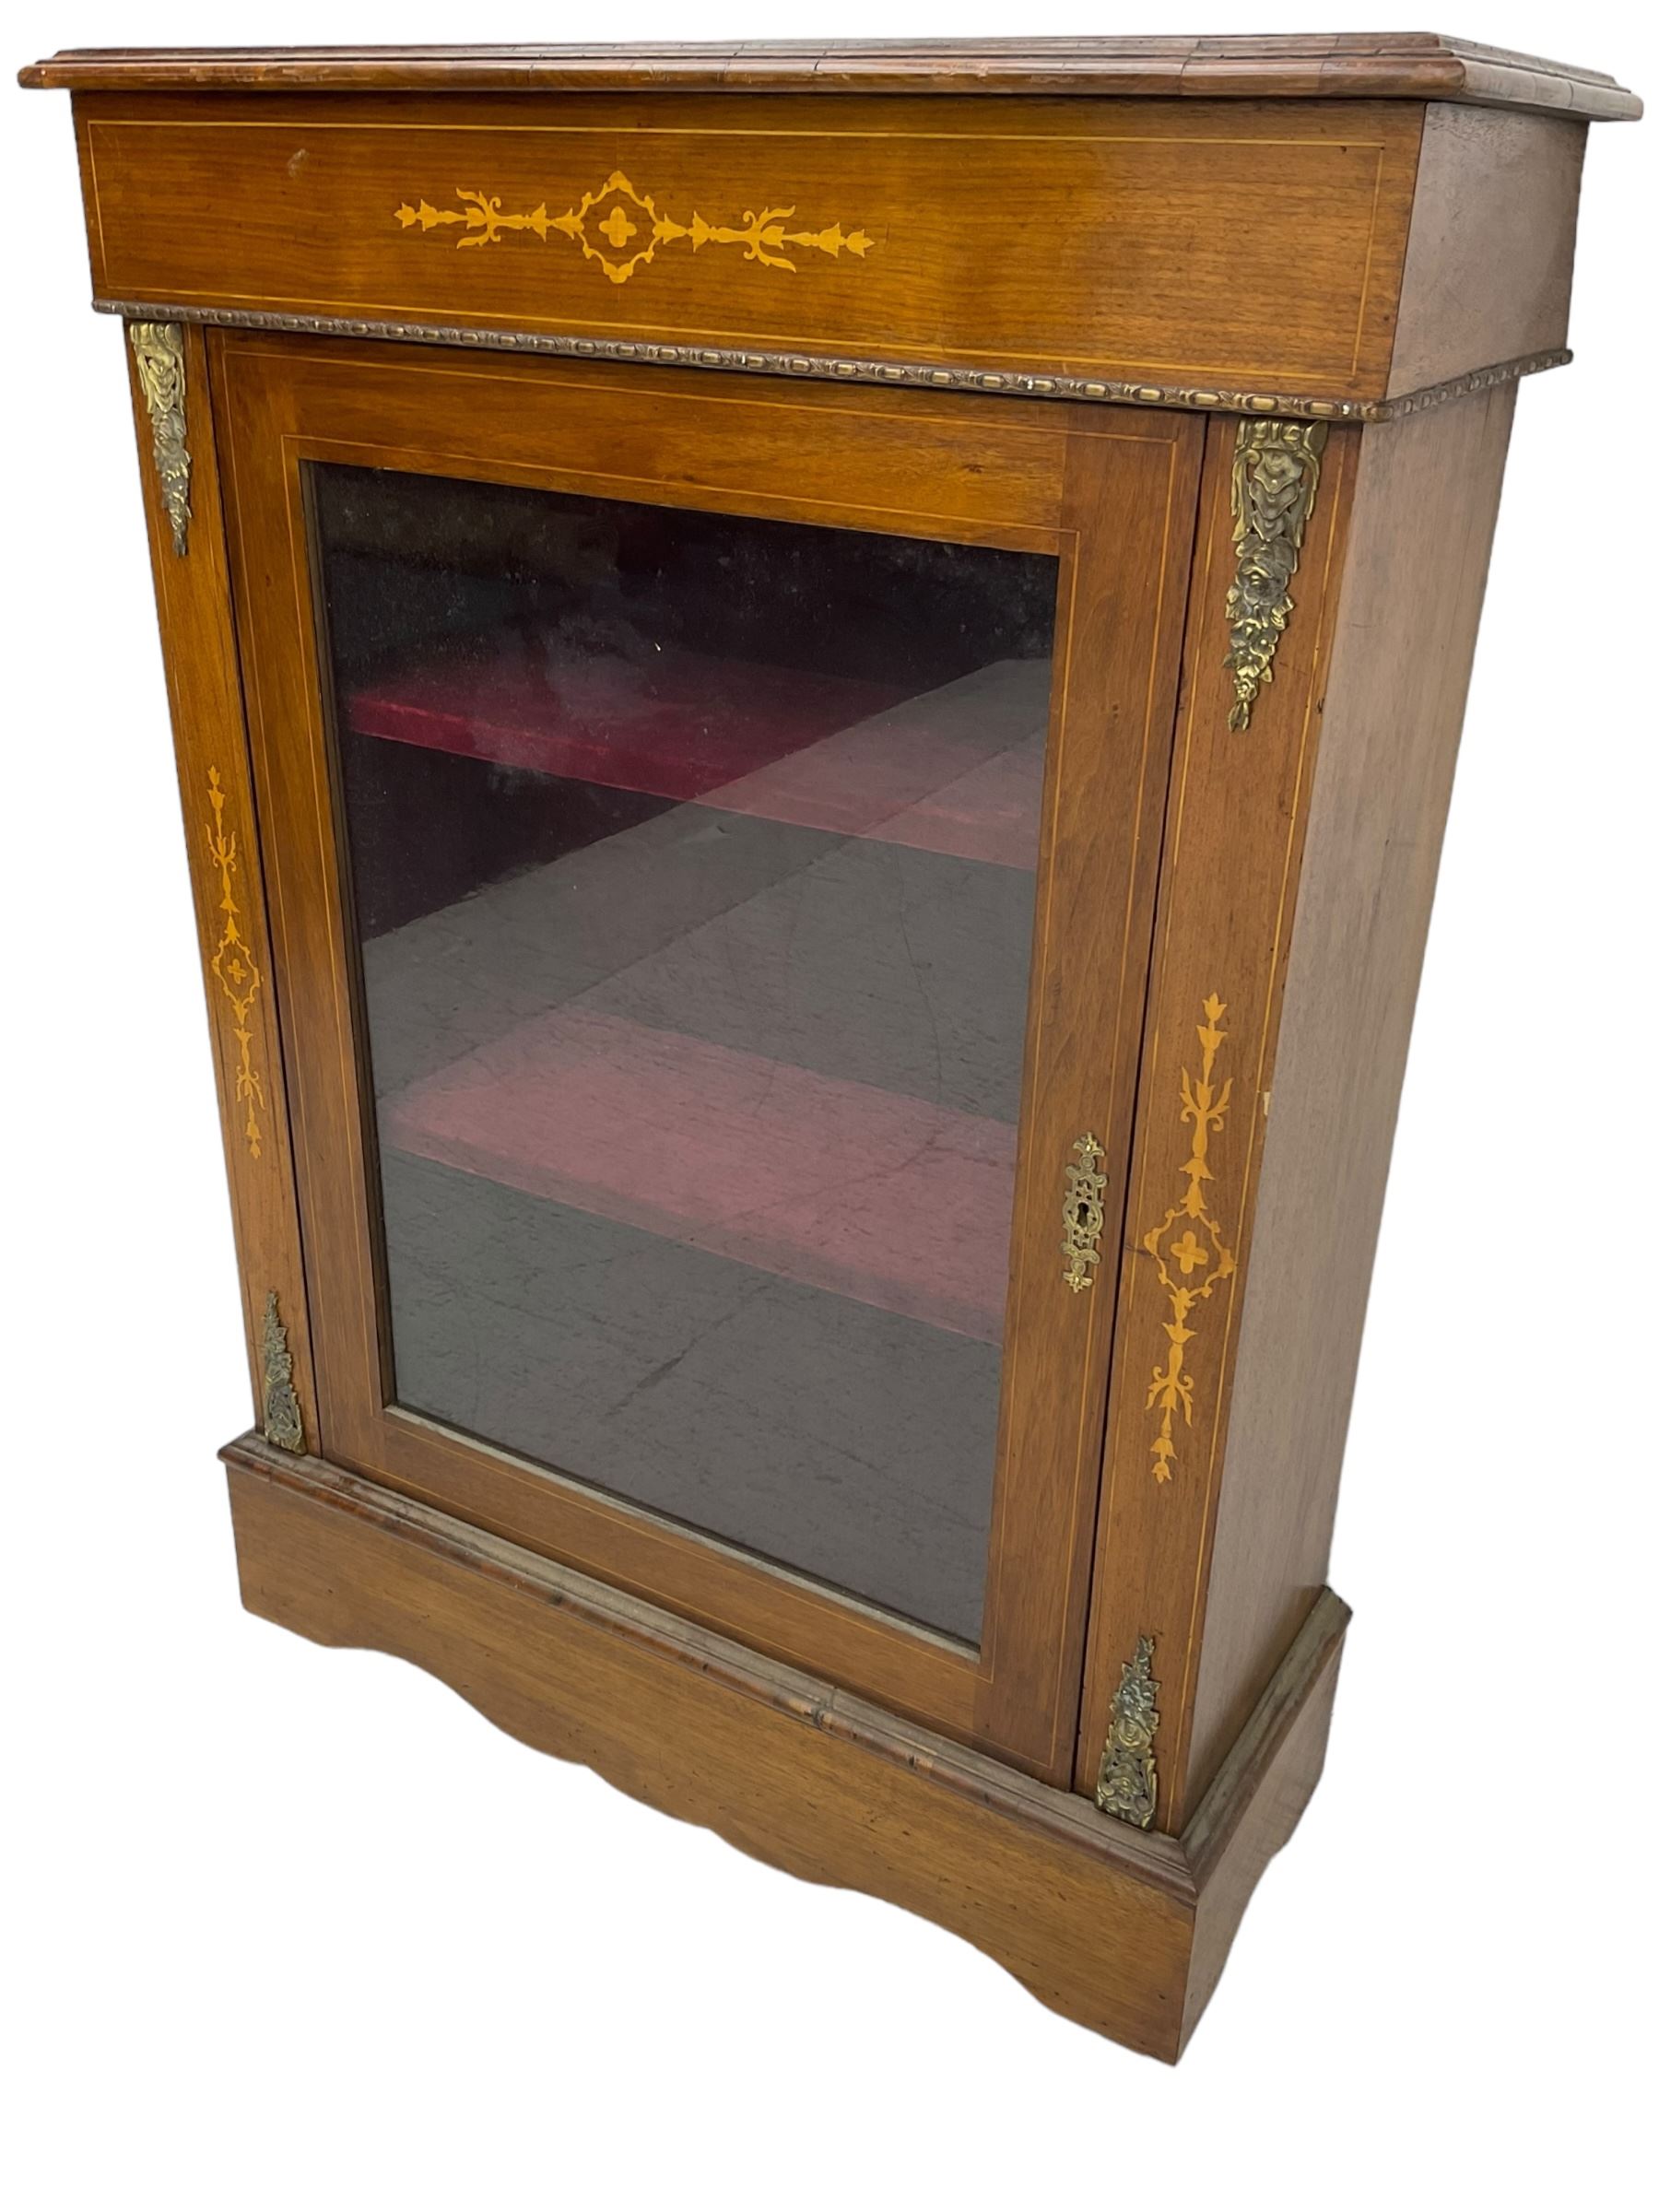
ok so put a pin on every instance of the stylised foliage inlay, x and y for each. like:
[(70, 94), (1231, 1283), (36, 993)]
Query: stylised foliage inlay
[(233, 965), (607, 223), (1192, 1262)]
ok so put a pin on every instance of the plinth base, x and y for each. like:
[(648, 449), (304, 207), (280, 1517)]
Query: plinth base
[(1124, 1932)]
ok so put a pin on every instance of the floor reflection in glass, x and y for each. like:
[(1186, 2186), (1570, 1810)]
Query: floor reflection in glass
[(693, 860)]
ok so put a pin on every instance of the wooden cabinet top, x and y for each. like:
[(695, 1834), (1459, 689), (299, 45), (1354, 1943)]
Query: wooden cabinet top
[(1338, 228), (1351, 65)]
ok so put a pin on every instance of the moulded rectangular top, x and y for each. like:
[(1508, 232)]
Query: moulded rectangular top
[(1349, 65)]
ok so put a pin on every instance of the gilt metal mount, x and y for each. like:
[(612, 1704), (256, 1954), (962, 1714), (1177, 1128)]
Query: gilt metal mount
[(1082, 1213), (283, 1424), (1127, 1786), (1275, 480), (159, 350)]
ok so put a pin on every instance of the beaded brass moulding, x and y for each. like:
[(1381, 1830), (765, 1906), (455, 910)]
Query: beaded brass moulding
[(844, 369)]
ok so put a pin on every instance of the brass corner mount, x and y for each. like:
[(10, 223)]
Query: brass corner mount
[(1274, 482), (1127, 1783), (158, 355), (283, 1424)]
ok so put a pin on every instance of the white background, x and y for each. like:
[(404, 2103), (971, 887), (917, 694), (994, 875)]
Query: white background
[(295, 1927)]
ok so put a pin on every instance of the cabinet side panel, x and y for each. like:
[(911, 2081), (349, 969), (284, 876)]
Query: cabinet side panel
[(1265, 1828), (1488, 265), (1424, 506), (199, 649)]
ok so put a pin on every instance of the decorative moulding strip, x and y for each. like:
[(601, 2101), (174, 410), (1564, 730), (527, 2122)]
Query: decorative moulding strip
[(932, 376), (1317, 1645)]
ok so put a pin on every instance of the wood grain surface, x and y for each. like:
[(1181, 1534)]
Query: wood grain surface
[(1232, 846), (1488, 266), (1121, 1932), (1019, 236), (204, 682), (1302, 65), (1425, 505)]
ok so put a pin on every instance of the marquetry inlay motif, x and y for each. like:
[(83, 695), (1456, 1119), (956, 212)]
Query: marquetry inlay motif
[(607, 223), (1275, 480), (233, 967), (159, 352), (1082, 1213), (1191, 1263), (1127, 1783), (283, 1424)]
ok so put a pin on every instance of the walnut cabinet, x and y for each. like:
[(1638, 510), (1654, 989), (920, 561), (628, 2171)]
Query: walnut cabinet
[(816, 690)]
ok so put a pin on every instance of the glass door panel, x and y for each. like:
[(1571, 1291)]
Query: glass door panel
[(691, 862), (705, 820)]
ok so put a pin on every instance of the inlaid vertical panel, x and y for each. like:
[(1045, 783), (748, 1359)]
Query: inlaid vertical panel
[(179, 471), (1265, 568)]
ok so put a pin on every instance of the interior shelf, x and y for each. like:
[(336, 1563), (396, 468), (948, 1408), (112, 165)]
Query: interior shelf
[(867, 1192), (820, 751)]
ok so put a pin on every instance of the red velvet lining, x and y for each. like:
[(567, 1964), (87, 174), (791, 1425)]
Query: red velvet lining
[(749, 739), (876, 1195)]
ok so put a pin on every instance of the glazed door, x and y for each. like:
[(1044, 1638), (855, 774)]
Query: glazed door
[(711, 826)]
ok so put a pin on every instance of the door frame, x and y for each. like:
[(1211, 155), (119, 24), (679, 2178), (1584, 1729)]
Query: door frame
[(1113, 494)]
